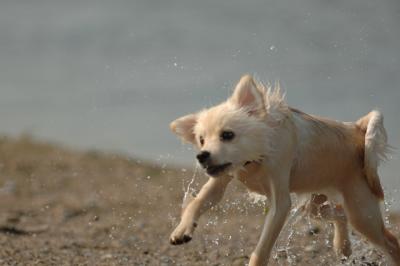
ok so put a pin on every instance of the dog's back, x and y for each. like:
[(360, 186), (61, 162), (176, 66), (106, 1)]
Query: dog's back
[(330, 152)]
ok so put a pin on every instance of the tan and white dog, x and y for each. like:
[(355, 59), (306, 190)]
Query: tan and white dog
[(276, 150)]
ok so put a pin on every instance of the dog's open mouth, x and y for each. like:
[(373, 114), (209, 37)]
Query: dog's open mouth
[(216, 169)]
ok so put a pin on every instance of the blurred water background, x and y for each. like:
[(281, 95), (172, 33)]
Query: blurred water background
[(111, 75)]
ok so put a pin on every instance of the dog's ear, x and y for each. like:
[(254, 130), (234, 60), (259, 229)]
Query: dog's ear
[(184, 127), (248, 96)]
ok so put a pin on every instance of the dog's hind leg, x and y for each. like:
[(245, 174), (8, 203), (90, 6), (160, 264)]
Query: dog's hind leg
[(363, 212), (341, 241), (319, 206)]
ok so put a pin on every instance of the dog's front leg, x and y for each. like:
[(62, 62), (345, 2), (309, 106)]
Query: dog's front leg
[(210, 194), (280, 207)]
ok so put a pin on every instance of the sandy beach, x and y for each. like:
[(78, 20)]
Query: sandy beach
[(65, 207)]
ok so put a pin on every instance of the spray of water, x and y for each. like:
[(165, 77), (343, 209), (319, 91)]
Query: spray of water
[(189, 190)]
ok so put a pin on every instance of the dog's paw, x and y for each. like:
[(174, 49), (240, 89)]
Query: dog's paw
[(180, 240), (182, 234)]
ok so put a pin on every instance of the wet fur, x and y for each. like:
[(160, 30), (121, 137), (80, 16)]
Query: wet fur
[(291, 152)]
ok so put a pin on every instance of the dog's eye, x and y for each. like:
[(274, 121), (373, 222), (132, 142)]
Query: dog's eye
[(201, 140), (227, 135)]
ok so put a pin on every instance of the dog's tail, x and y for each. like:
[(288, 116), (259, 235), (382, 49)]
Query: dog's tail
[(376, 148)]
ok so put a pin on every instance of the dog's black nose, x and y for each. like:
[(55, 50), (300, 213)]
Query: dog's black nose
[(203, 156)]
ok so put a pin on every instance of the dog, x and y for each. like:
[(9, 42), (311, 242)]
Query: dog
[(276, 150)]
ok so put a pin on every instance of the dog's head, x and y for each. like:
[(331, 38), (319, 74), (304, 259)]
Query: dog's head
[(230, 134)]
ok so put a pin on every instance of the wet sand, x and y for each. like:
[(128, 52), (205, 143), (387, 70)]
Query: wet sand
[(65, 207)]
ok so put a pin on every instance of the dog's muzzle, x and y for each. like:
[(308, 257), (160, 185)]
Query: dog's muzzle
[(204, 158)]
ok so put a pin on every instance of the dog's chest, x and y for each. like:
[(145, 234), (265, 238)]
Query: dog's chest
[(251, 176)]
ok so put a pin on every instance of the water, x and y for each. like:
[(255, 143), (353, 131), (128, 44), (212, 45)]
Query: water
[(190, 191), (113, 74)]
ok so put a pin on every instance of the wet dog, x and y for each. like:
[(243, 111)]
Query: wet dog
[(276, 150)]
